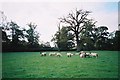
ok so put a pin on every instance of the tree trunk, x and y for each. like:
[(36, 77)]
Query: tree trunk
[(78, 42), (78, 45)]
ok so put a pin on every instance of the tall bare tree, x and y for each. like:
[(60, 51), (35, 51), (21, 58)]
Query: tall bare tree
[(76, 21)]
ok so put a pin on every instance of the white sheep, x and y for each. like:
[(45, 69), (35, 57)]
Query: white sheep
[(52, 54), (69, 54), (82, 55), (94, 54), (87, 54), (43, 54), (58, 54)]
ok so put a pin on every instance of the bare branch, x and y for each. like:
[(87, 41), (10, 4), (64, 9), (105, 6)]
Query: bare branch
[(72, 16), (75, 20), (68, 21), (83, 16)]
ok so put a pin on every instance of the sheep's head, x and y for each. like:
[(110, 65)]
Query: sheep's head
[(80, 53)]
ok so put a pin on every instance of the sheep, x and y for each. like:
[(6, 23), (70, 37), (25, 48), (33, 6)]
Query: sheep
[(69, 54), (58, 54), (82, 55), (87, 55), (52, 54), (94, 55), (43, 54)]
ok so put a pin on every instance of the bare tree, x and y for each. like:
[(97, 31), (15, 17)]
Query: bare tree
[(76, 21)]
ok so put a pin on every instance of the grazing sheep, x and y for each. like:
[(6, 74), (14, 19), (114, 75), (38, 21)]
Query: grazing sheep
[(43, 54), (94, 55), (87, 55), (82, 55), (58, 54), (52, 54), (69, 54)]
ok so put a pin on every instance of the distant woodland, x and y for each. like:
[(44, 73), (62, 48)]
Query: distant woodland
[(79, 33)]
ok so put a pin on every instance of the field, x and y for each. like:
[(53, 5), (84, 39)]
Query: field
[(32, 65)]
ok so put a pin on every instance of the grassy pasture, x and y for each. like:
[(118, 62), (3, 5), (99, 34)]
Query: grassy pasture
[(32, 65)]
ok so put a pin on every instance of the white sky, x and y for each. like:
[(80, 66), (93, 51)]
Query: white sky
[(45, 14)]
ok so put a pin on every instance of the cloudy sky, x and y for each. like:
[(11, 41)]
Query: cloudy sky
[(45, 14)]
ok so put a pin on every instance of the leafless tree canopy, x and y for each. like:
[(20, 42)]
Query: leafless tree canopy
[(76, 20)]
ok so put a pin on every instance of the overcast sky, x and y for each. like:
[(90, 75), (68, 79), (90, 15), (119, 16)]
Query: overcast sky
[(45, 14)]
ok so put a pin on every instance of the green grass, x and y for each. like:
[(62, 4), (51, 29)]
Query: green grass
[(32, 65)]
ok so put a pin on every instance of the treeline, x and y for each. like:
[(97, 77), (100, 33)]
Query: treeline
[(15, 38), (80, 34), (94, 38)]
